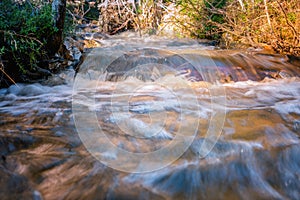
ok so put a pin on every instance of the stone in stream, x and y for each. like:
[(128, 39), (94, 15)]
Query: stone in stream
[(223, 66), (144, 63), (14, 186)]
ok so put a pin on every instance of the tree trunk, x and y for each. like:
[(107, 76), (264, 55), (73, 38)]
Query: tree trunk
[(59, 10)]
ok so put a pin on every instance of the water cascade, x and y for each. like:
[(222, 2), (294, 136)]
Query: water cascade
[(151, 118)]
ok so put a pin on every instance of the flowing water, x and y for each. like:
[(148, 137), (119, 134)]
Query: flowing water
[(156, 119)]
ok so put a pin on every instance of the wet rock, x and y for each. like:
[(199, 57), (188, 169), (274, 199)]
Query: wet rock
[(296, 126), (87, 28), (284, 74), (91, 43), (14, 186), (100, 36), (59, 134), (33, 90), (55, 80), (74, 48), (145, 58), (91, 39), (14, 89), (9, 143), (37, 195), (295, 60)]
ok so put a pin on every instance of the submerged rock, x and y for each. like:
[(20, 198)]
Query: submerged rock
[(14, 186)]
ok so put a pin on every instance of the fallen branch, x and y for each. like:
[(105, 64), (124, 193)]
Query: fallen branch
[(2, 70), (120, 27)]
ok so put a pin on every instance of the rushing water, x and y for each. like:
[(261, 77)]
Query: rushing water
[(141, 100)]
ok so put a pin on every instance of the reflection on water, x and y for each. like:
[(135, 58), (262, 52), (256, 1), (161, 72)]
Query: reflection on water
[(256, 156)]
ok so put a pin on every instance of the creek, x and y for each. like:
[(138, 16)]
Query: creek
[(156, 118)]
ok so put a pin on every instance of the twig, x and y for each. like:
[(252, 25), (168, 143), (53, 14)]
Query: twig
[(122, 26), (24, 36), (289, 24), (267, 15), (2, 70)]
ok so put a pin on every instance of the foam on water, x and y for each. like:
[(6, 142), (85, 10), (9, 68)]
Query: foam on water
[(256, 156)]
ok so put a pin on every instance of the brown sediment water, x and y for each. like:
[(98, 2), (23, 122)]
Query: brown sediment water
[(142, 94)]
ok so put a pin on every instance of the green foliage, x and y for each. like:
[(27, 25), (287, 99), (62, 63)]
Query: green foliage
[(246, 22), (197, 16), (292, 17), (24, 30), (258, 22), (2, 50), (211, 17), (69, 26)]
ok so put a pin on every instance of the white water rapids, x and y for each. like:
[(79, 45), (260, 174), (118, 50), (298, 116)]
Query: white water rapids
[(51, 151)]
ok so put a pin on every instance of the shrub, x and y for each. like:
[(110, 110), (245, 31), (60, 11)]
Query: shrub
[(26, 27), (246, 22), (24, 31), (192, 18)]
